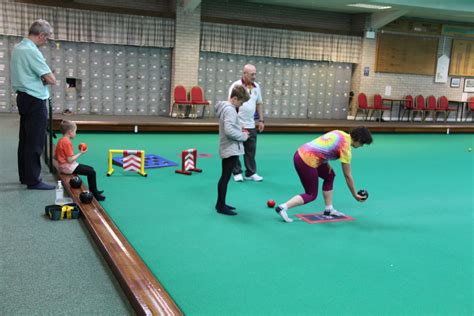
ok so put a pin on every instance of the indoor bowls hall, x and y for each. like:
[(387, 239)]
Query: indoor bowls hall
[(237, 157)]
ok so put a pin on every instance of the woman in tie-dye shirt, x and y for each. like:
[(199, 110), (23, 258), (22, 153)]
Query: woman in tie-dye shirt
[(312, 162)]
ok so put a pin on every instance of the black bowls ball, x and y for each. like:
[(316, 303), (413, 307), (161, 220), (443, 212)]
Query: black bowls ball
[(86, 197), (363, 193), (75, 182)]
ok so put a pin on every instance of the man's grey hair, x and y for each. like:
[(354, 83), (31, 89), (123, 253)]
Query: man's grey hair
[(40, 26)]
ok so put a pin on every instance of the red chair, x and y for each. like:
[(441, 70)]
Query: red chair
[(407, 106), (431, 106), (197, 98), (363, 106), (180, 100), (419, 107), (378, 106), (443, 107), (470, 108)]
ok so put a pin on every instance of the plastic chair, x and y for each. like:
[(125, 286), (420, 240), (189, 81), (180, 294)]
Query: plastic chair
[(197, 98), (363, 106), (419, 107), (407, 107), (470, 108), (443, 107), (180, 99), (378, 106), (431, 106)]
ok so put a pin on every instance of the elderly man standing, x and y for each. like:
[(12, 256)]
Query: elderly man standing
[(30, 76), (247, 120)]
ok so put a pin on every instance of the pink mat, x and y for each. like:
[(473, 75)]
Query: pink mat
[(317, 218)]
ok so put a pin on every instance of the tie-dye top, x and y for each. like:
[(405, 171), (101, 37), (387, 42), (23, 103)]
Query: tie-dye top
[(330, 146)]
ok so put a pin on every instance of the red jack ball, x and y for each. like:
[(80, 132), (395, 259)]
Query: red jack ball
[(271, 203)]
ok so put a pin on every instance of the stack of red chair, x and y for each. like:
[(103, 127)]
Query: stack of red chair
[(443, 107), (470, 108), (363, 106), (197, 98), (187, 108), (378, 106)]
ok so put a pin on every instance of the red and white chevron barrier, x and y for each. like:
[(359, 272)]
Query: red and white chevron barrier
[(132, 160), (188, 162)]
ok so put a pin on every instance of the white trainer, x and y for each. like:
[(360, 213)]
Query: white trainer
[(254, 177), (333, 212), (238, 178), (282, 212)]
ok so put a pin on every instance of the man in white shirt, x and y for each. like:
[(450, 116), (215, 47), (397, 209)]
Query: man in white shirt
[(247, 120)]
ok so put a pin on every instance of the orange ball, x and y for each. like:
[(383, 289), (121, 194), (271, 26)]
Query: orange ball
[(271, 203), (82, 146)]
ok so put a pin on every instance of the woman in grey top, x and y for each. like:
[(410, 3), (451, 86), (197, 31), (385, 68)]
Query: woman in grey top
[(231, 136)]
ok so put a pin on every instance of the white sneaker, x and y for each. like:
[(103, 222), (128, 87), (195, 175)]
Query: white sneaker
[(254, 177), (333, 212), (238, 178), (282, 212)]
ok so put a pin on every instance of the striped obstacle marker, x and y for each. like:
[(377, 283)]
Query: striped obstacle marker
[(188, 162), (133, 160)]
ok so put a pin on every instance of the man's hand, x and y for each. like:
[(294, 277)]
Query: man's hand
[(261, 126)]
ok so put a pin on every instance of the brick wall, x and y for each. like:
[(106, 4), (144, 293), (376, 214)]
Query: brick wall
[(185, 61)]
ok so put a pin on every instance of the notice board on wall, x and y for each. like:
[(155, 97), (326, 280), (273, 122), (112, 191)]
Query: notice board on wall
[(406, 54), (462, 58)]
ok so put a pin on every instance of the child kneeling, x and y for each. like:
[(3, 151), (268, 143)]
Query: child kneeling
[(67, 163)]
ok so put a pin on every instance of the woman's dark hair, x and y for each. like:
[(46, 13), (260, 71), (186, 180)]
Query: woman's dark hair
[(362, 135)]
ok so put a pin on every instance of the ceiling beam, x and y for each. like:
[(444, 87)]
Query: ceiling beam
[(380, 19), (190, 5)]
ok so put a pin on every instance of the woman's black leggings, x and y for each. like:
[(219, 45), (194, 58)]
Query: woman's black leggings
[(228, 164)]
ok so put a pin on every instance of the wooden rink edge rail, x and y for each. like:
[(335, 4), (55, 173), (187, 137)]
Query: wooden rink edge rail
[(276, 126), (145, 293)]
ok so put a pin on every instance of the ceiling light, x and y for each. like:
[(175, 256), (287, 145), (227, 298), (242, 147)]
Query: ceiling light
[(369, 6)]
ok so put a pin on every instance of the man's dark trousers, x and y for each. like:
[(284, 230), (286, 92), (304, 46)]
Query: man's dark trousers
[(33, 121), (250, 147)]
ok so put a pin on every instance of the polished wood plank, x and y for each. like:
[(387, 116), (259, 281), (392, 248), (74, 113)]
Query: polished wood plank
[(144, 291), (165, 124)]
